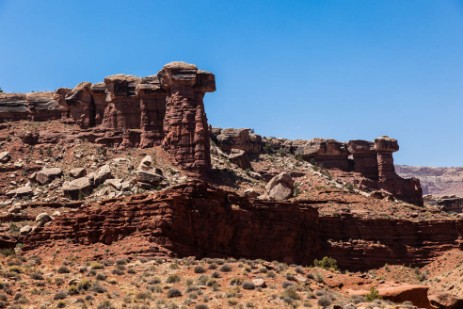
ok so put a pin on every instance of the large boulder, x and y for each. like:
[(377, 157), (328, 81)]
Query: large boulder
[(148, 175), (78, 188), (5, 157), (47, 174), (416, 294), (280, 187), (446, 300), (42, 218), (77, 172), (102, 174)]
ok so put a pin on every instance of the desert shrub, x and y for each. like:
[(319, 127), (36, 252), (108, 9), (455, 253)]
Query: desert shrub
[(248, 285), (61, 304), (373, 295), (60, 295), (63, 270), (326, 263), (199, 270), (98, 288), (173, 279), (201, 306), (105, 305), (289, 295), (324, 301), (121, 262), (37, 276), (101, 277), (226, 268), (144, 296), (215, 275), (173, 293)]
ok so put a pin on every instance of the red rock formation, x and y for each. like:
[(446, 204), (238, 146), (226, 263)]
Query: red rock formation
[(329, 153), (365, 158), (36, 106), (123, 109), (408, 190), (363, 243), (242, 139), (81, 106), (193, 219), (185, 123), (153, 109)]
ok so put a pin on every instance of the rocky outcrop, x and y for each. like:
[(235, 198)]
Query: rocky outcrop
[(446, 203), (327, 152), (364, 243), (408, 190), (242, 139), (364, 158), (193, 220), (165, 109), (371, 160), (35, 106)]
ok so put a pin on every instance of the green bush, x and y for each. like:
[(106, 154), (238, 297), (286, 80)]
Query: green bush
[(374, 294), (326, 263)]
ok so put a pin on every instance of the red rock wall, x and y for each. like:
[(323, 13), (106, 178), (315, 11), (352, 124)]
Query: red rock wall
[(367, 243), (193, 219)]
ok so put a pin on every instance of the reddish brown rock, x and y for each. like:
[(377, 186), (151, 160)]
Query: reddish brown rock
[(408, 190), (280, 187), (153, 109), (329, 153), (242, 139), (123, 109), (185, 123), (446, 301), (81, 106), (364, 157), (416, 294), (193, 220)]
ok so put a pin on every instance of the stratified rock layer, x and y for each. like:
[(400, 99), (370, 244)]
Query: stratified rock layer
[(194, 219)]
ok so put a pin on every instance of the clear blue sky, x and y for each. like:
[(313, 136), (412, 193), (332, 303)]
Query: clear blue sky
[(298, 69)]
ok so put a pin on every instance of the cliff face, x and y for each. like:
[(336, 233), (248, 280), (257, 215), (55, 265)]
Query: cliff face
[(194, 219), (362, 243)]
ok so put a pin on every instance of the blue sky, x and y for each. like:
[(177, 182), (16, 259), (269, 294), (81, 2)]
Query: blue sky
[(338, 69)]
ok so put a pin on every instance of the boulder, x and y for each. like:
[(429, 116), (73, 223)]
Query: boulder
[(250, 193), (416, 294), (42, 218), (25, 230), (280, 187), (78, 172), (47, 174), (78, 188), (259, 283), (19, 192), (102, 174), (446, 300), (115, 183), (151, 177), (240, 158), (146, 163), (5, 157)]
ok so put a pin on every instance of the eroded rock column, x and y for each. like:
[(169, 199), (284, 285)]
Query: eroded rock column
[(153, 109), (365, 158), (384, 147), (185, 123)]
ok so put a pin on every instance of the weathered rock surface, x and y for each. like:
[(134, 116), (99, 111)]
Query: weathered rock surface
[(365, 243), (47, 174), (193, 219), (5, 157), (280, 187), (416, 294), (22, 191), (78, 172), (446, 301), (78, 188)]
